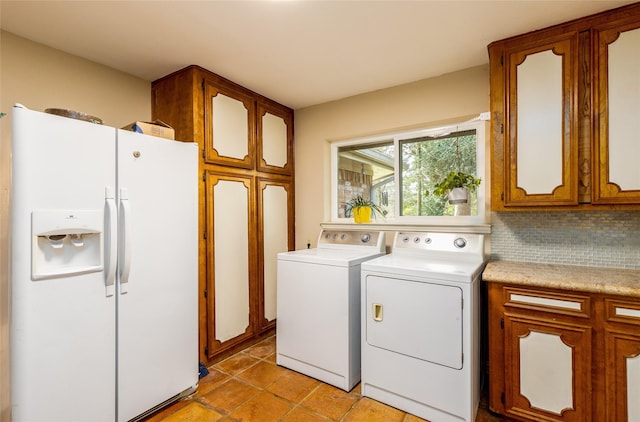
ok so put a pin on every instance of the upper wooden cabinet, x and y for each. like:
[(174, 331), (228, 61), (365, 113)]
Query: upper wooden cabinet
[(229, 126), (617, 126), (541, 135), (236, 127), (275, 137), (562, 101)]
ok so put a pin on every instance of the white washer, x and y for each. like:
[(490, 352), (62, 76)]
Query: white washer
[(318, 328), (420, 325)]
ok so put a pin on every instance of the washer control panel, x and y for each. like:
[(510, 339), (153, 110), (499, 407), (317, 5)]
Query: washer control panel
[(330, 238)]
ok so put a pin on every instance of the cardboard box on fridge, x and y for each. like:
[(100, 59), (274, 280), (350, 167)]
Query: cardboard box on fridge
[(155, 128)]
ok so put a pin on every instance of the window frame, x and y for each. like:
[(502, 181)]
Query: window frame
[(479, 124)]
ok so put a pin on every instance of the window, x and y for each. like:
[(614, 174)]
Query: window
[(399, 171)]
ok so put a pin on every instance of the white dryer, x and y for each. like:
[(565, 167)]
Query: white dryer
[(420, 325), (318, 313)]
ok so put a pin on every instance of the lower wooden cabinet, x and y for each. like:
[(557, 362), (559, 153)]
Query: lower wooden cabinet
[(549, 367), (622, 360), (230, 292), (249, 221), (559, 355)]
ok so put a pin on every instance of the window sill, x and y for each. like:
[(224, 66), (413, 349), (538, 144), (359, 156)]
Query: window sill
[(435, 228)]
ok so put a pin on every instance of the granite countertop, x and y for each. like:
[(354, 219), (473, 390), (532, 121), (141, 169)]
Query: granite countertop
[(611, 281)]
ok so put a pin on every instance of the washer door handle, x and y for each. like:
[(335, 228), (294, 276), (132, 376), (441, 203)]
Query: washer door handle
[(377, 312)]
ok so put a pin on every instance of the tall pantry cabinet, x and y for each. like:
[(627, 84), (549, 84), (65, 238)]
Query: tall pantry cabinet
[(246, 200)]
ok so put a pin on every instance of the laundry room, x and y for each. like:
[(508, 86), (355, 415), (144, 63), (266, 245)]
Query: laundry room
[(537, 273)]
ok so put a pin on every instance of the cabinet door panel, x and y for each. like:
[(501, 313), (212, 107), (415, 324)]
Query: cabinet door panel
[(544, 353), (541, 139), (539, 87), (622, 376), (548, 366), (275, 138), (275, 213), (618, 92), (229, 263), (229, 127)]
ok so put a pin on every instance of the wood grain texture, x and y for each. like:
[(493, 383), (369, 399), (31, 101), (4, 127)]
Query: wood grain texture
[(585, 149)]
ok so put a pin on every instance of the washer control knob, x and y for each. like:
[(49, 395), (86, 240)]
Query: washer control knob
[(427, 240), (343, 236), (365, 238), (405, 239), (460, 242), (416, 239)]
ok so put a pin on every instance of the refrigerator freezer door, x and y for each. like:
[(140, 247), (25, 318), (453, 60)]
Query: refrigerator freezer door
[(63, 327), (157, 313)]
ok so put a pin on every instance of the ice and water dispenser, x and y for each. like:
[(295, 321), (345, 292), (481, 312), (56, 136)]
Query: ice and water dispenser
[(66, 243)]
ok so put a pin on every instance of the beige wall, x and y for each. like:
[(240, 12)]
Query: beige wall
[(448, 98), (40, 77)]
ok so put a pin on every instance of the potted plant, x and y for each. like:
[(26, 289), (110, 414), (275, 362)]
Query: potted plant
[(361, 209), (456, 186)]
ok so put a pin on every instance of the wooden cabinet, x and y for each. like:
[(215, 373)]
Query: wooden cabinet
[(622, 359), (246, 200), (557, 355), (275, 218), (541, 134), (561, 101), (544, 339), (229, 126), (617, 89), (275, 138), (246, 132), (230, 259)]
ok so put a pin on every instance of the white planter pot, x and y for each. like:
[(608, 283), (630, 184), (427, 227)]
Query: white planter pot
[(458, 196)]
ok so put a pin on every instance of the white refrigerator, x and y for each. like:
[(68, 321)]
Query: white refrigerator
[(104, 270)]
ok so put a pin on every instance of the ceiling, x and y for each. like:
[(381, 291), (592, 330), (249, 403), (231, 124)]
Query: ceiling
[(299, 53)]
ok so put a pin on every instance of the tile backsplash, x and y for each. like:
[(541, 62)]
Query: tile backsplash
[(587, 238)]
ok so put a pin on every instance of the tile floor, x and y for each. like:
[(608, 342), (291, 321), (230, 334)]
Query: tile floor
[(250, 387)]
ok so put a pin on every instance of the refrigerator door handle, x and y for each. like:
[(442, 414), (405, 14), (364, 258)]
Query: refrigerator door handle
[(111, 246), (125, 237)]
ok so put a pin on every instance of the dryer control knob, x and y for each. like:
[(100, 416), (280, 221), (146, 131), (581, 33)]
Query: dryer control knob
[(365, 238), (460, 242)]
